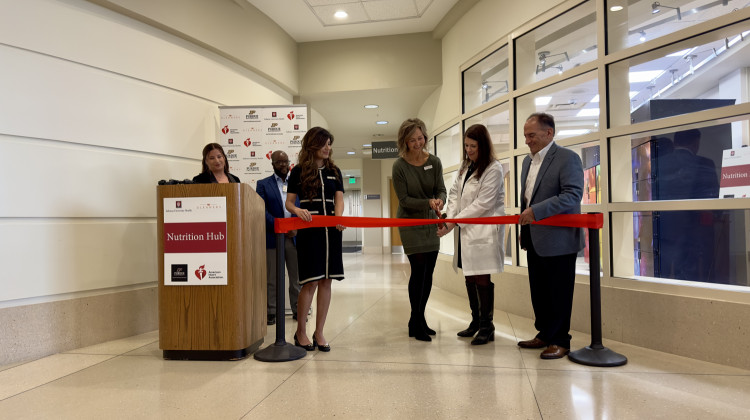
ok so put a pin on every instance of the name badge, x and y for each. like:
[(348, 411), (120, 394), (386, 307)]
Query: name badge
[(283, 188), (428, 167)]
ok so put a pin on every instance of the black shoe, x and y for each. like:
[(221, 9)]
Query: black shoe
[(428, 330), (469, 332), (321, 347), (271, 319), (418, 332), (309, 347), (484, 336)]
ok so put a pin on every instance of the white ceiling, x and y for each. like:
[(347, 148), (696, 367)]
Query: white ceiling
[(312, 20)]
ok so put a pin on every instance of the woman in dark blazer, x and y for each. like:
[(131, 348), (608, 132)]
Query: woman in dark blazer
[(215, 166)]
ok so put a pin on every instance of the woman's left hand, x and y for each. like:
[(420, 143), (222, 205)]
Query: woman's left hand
[(340, 227), (446, 229)]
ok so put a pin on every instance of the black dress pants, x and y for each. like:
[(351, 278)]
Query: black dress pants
[(551, 281)]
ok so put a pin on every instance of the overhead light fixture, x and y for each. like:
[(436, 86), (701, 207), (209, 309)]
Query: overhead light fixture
[(588, 112), (340, 14), (381, 122), (656, 8), (349, 153), (615, 8), (542, 100), (643, 36), (371, 106)]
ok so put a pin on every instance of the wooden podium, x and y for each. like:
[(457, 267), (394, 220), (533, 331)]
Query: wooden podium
[(217, 322)]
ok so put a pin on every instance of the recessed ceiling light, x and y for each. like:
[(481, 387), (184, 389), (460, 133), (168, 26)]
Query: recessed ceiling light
[(366, 145), (381, 122), (371, 106), (349, 153), (615, 8), (542, 100), (340, 14)]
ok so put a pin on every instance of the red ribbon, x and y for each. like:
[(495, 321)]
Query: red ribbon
[(284, 225)]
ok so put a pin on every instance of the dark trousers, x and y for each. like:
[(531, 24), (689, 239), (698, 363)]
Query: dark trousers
[(420, 281), (290, 257), (551, 280)]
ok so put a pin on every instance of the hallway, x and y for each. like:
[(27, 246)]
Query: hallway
[(375, 371)]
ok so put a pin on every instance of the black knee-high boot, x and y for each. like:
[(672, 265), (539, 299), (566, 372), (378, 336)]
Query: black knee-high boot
[(471, 290), (416, 321), (486, 332)]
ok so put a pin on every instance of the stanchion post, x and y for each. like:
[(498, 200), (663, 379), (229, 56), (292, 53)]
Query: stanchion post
[(280, 351), (596, 354)]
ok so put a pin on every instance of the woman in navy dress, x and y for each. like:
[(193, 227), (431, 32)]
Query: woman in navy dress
[(318, 183)]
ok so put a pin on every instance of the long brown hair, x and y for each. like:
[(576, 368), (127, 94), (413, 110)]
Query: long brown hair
[(314, 140), (486, 153), (207, 150)]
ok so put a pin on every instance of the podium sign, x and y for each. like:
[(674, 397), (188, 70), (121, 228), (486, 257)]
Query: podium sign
[(195, 241)]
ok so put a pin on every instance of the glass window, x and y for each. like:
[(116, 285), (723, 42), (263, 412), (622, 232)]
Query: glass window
[(497, 122), (574, 103), (446, 242), (449, 147), (705, 72), (631, 22), (486, 80), (558, 45), (702, 245), (589, 153), (699, 161)]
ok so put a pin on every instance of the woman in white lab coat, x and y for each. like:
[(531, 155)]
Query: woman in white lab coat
[(479, 249)]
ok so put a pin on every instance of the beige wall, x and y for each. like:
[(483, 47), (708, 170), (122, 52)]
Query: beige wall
[(369, 63), (235, 30), (97, 107)]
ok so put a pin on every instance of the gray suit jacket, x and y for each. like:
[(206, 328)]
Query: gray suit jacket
[(558, 190)]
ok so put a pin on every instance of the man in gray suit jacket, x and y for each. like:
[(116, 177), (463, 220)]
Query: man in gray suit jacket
[(551, 183)]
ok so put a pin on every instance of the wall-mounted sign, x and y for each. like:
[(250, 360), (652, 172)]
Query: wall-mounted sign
[(372, 196), (195, 241), (735, 173), (384, 150)]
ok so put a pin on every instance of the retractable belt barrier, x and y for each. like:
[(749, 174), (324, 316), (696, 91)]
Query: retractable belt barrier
[(591, 221), (593, 355)]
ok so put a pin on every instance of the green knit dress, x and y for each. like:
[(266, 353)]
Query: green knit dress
[(415, 186)]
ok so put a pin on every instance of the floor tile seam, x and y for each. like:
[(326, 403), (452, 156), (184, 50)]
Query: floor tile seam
[(125, 353), (612, 370), (304, 363), (387, 293), (62, 377), (327, 360)]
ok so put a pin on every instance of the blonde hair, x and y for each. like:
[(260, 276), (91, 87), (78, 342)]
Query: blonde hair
[(406, 130)]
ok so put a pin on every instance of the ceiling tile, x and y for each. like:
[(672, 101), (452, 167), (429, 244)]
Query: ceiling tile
[(391, 9), (355, 10)]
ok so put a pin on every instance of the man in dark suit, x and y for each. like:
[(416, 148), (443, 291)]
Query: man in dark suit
[(551, 183), (273, 191)]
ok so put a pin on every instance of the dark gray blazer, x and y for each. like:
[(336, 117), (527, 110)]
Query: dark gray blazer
[(558, 190)]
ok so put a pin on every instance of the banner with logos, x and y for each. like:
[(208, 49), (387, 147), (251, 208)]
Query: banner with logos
[(735, 173), (195, 241), (249, 134)]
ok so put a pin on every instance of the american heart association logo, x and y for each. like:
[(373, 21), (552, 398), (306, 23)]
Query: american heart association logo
[(290, 115), (201, 272), (225, 130), (248, 142)]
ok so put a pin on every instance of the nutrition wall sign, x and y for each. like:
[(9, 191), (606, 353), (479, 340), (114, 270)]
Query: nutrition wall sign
[(195, 241)]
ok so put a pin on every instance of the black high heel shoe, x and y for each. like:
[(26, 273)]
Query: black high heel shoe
[(309, 347), (321, 347)]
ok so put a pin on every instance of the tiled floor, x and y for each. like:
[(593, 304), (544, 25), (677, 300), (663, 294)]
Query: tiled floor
[(375, 371)]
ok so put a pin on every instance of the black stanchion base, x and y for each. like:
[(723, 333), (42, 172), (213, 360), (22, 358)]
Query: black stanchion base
[(597, 356), (283, 352)]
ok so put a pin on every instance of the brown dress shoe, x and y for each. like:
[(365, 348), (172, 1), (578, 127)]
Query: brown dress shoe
[(534, 343), (554, 352)]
